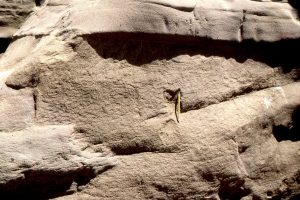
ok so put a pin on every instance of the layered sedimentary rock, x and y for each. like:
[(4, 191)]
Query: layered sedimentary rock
[(12, 14), (88, 112)]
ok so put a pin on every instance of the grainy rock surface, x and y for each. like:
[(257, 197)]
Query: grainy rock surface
[(12, 14), (87, 101)]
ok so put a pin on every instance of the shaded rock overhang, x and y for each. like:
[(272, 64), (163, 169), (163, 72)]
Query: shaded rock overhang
[(234, 21)]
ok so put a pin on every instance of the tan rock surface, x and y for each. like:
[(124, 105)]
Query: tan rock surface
[(235, 20), (46, 160), (16, 107), (12, 15), (90, 87)]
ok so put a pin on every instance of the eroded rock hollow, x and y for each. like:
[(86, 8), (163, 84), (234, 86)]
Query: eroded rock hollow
[(150, 99)]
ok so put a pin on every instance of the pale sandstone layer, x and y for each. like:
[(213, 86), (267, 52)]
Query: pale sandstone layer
[(87, 111)]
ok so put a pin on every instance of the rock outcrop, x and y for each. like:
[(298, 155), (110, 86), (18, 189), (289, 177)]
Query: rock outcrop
[(12, 15), (88, 112)]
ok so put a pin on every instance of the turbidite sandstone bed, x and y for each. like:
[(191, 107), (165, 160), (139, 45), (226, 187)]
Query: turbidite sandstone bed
[(87, 105)]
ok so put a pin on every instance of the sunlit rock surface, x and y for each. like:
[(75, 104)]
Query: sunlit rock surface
[(88, 89)]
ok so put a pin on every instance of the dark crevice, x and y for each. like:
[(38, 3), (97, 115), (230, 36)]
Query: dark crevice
[(171, 94), (4, 43), (133, 147), (80, 130), (189, 106), (162, 188), (208, 176), (171, 191), (185, 9), (176, 192), (15, 87), (39, 2), (242, 148), (139, 49), (141, 145), (156, 115), (175, 97), (36, 36), (296, 5), (31, 81), (289, 189), (269, 193), (43, 184), (291, 132), (232, 189), (242, 24), (35, 103)]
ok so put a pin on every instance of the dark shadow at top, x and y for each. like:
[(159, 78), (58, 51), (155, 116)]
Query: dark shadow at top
[(4, 42), (296, 5), (139, 49), (292, 132), (43, 184), (39, 2)]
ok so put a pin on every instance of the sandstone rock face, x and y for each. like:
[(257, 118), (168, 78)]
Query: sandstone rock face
[(88, 95), (12, 15)]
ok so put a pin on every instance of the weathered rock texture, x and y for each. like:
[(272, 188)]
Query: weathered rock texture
[(87, 109), (12, 15)]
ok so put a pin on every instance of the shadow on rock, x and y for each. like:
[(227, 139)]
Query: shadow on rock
[(39, 184), (139, 49), (296, 5), (4, 42), (292, 132)]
